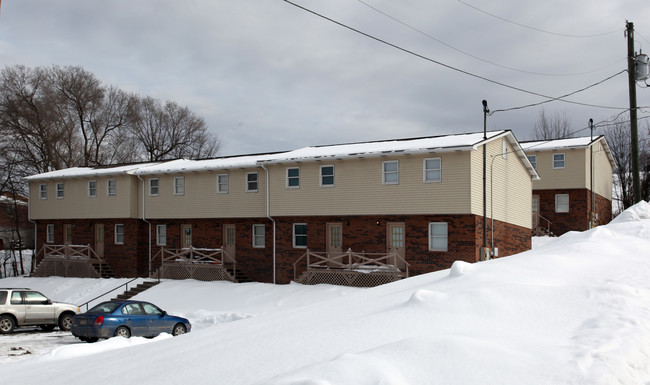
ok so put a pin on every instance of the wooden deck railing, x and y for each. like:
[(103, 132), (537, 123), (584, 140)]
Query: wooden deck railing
[(194, 256), (352, 261), (68, 252)]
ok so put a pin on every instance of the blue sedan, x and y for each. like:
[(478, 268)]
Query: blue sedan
[(126, 319)]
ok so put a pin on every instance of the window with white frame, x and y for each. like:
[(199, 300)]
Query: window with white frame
[(179, 185), (293, 177), (533, 160), (222, 183), (438, 236), (111, 187), (49, 233), (161, 235), (154, 187), (258, 236), (561, 203), (300, 235), (60, 193), (327, 176), (432, 170), (390, 172), (42, 191), (251, 182), (92, 188), (119, 234), (558, 161)]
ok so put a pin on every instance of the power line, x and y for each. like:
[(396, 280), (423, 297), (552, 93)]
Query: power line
[(560, 97), (533, 28), (446, 65), (477, 57)]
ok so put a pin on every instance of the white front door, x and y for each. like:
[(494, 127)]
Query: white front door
[(395, 239)]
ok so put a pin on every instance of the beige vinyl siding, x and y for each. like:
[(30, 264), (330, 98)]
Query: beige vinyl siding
[(77, 204), (201, 199), (602, 171), (572, 176), (358, 188), (511, 185)]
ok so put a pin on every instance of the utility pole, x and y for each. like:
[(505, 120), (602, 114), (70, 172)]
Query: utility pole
[(591, 177), (485, 112), (634, 136)]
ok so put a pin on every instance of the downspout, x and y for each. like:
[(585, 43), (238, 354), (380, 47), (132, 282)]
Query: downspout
[(29, 218), (268, 213), (145, 220)]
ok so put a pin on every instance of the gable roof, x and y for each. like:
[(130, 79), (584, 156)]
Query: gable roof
[(445, 143), (567, 144)]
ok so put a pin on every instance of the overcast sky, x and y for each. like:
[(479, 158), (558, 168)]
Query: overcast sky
[(268, 76)]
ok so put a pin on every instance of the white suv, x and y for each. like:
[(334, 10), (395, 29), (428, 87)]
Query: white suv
[(26, 307)]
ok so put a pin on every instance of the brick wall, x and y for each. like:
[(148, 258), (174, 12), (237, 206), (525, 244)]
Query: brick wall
[(577, 219), (361, 234)]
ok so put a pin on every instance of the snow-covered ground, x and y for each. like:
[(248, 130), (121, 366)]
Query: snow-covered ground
[(575, 310)]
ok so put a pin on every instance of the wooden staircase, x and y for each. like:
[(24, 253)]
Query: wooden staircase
[(103, 269), (238, 275), (136, 290)]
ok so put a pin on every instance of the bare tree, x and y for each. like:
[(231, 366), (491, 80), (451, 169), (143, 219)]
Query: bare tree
[(557, 126), (32, 124), (170, 131), (618, 138)]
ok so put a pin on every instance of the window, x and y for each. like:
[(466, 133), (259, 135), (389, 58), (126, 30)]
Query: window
[(432, 170), (561, 203), (533, 160), (111, 188), (42, 190), (154, 187), (119, 234), (161, 235), (49, 234), (179, 185), (293, 177), (535, 203), (222, 183), (59, 191), (92, 188), (258, 236), (299, 235), (438, 236), (558, 161), (327, 176), (504, 148), (390, 172), (251, 182)]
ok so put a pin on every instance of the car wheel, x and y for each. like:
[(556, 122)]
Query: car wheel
[(179, 329), (7, 324), (122, 331), (65, 321), (47, 328)]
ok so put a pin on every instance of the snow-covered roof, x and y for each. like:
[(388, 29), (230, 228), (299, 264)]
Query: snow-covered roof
[(568, 144), (458, 142), (555, 144)]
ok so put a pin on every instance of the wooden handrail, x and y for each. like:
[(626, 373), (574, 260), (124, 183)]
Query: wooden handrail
[(355, 261), (196, 255)]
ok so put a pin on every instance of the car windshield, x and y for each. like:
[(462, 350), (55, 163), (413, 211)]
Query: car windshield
[(104, 308)]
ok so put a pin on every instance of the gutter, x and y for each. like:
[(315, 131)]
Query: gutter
[(29, 218), (268, 215), (145, 220)]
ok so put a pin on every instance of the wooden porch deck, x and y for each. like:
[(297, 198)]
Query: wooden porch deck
[(196, 263), (71, 261), (349, 268)]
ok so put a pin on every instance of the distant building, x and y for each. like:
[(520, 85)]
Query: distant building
[(409, 204), (573, 193), (15, 230)]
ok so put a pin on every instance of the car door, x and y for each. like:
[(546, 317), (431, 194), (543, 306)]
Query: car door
[(18, 306), (156, 322), (38, 309), (135, 319)]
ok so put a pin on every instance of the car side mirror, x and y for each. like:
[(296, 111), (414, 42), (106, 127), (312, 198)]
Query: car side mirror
[(48, 302), (164, 313)]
